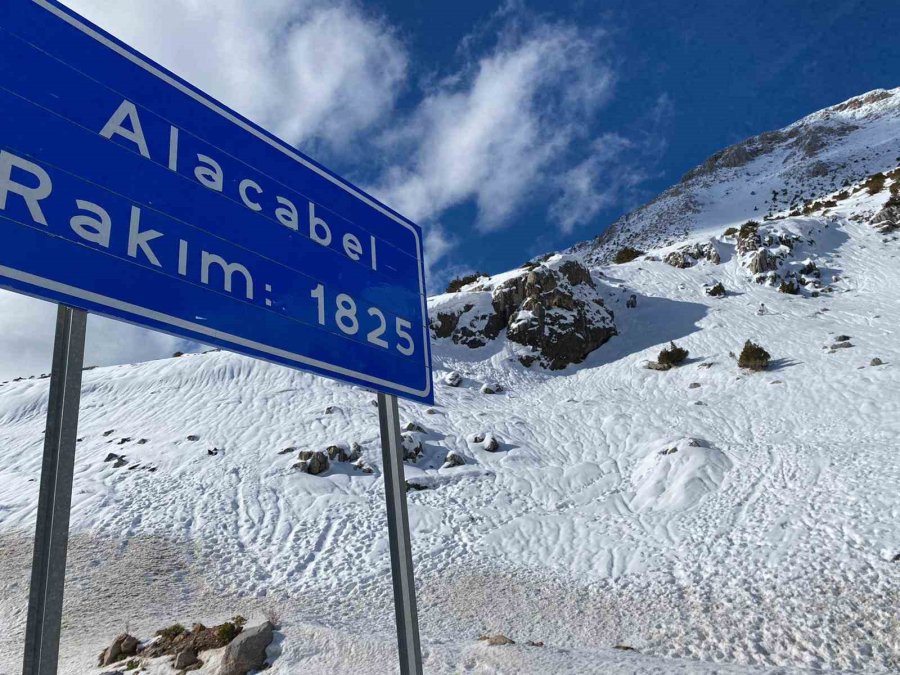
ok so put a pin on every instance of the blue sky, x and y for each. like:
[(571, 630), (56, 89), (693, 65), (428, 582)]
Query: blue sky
[(505, 129), (690, 77)]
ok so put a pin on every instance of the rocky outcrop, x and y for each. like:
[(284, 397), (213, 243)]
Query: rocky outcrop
[(887, 220), (690, 255), (553, 308)]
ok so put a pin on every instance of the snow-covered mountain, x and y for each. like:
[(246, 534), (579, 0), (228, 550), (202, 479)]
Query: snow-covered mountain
[(606, 516)]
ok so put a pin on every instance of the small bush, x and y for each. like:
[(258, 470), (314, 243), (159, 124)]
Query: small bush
[(753, 357), (131, 664), (227, 631), (172, 632), (717, 290), (239, 621), (875, 183), (788, 287), (455, 285), (730, 232), (672, 355), (626, 254)]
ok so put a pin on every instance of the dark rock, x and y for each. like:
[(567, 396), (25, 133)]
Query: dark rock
[(412, 447), (212, 452), (688, 256), (355, 451), (888, 219), (287, 451), (453, 459), (247, 652), (488, 442), (876, 362), (841, 345), (316, 463), (631, 303), (123, 646), (111, 457), (491, 389), (330, 410), (555, 309), (842, 338), (762, 261), (193, 438), (412, 426), (576, 274), (694, 385), (184, 658), (412, 486), (109, 433), (365, 468), (337, 454)]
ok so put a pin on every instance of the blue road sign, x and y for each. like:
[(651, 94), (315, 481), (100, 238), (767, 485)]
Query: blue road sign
[(127, 192)]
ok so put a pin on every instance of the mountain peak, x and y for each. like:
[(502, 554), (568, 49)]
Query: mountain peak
[(762, 176)]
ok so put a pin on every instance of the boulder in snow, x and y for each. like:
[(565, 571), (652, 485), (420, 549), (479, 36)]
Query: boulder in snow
[(452, 379), (453, 459), (412, 447), (123, 646), (247, 652)]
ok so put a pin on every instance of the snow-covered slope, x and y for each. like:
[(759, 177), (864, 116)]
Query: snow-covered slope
[(766, 175), (711, 518)]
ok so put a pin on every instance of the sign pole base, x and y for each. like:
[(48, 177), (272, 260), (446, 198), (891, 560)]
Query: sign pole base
[(51, 541), (398, 533)]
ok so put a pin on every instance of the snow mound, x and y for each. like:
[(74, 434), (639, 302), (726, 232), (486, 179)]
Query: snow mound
[(676, 475)]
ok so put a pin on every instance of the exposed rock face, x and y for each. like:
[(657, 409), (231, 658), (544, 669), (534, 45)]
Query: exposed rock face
[(888, 219), (247, 652), (554, 308), (690, 255)]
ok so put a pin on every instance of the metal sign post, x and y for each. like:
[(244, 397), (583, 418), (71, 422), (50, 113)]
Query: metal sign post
[(51, 541), (398, 533)]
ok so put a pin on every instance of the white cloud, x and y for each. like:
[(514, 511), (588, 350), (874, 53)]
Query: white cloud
[(27, 330), (310, 71), (596, 183), (495, 134), (612, 171)]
